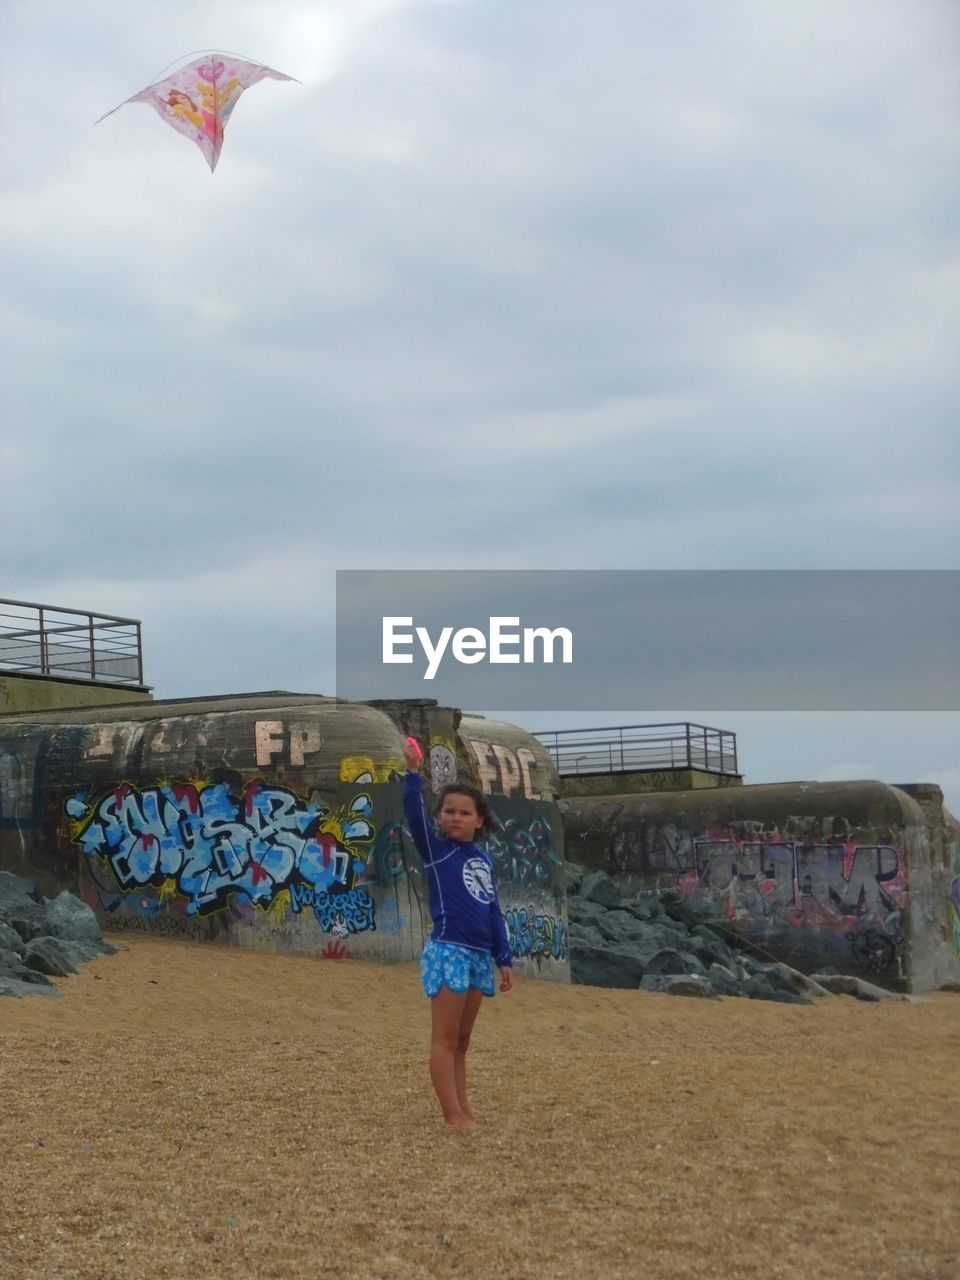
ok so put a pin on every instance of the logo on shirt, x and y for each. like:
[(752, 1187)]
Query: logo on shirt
[(478, 881)]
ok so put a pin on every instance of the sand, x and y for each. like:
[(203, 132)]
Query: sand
[(192, 1111)]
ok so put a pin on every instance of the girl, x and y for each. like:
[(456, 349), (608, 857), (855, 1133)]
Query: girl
[(468, 929)]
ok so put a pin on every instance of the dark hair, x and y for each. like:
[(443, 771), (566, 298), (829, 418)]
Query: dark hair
[(478, 798)]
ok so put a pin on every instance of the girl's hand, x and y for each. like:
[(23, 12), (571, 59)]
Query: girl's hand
[(412, 754), (506, 978)]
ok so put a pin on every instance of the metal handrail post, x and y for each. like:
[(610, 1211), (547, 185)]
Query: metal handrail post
[(93, 651), (44, 652)]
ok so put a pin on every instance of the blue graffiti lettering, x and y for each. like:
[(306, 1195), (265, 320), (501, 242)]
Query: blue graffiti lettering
[(349, 911), (214, 842), (536, 935)]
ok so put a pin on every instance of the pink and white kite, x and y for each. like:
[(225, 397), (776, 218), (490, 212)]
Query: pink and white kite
[(197, 100)]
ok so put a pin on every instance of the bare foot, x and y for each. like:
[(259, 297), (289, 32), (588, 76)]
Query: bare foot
[(460, 1122)]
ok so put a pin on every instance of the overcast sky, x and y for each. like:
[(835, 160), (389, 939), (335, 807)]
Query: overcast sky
[(499, 284)]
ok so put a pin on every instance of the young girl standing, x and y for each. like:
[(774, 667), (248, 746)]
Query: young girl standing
[(468, 929)]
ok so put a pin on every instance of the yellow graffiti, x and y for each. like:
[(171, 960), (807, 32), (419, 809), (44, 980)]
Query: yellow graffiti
[(364, 769), (277, 909), (167, 891)]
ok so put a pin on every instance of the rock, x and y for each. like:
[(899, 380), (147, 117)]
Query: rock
[(675, 927), (618, 941), (605, 966), (683, 913), (14, 987), (10, 940), (13, 966), (693, 965), (82, 951), (723, 980), (669, 961), (584, 912), (21, 906), (621, 926), (17, 892), (584, 935), (797, 981), (598, 887), (50, 955), (757, 987), (643, 908), (682, 985), (40, 938), (783, 989), (843, 984), (716, 941), (709, 952), (68, 917), (574, 876), (778, 981), (950, 986)]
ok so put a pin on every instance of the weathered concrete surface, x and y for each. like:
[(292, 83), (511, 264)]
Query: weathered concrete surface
[(27, 693), (845, 875), (608, 784), (934, 934), (272, 821)]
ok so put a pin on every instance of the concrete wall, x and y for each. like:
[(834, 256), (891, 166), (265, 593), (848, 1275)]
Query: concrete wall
[(26, 693), (271, 821), (518, 775), (846, 874), (615, 784)]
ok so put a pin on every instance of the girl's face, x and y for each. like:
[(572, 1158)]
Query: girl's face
[(458, 817)]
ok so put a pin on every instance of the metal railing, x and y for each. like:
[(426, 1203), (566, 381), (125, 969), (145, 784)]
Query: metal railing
[(637, 747), (41, 639)]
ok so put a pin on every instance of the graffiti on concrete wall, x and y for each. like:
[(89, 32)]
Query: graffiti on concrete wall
[(535, 935), (443, 763), (759, 876), (21, 781), (211, 842), (522, 849), (503, 771)]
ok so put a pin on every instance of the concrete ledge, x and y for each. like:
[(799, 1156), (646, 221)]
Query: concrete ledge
[(24, 693), (642, 780)]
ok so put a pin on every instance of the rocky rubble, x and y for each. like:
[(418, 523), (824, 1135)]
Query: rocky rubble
[(658, 942), (42, 937)]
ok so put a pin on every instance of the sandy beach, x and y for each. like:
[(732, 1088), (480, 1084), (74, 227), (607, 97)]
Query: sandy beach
[(191, 1111)]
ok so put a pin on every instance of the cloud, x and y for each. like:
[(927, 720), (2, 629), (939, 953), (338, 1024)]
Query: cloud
[(495, 286)]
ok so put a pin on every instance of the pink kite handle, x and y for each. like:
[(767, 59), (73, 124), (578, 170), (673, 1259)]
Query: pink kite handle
[(412, 742)]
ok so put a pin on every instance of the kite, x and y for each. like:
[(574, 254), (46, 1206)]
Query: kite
[(197, 99)]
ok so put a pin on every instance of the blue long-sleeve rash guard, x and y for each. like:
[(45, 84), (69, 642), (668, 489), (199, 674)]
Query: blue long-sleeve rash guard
[(463, 894)]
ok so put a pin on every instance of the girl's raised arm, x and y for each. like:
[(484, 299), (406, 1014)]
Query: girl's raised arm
[(413, 803)]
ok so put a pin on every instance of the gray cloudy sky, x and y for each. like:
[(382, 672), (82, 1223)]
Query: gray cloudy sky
[(498, 285)]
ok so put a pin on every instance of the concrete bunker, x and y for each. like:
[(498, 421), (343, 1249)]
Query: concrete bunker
[(860, 877), (273, 821)]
